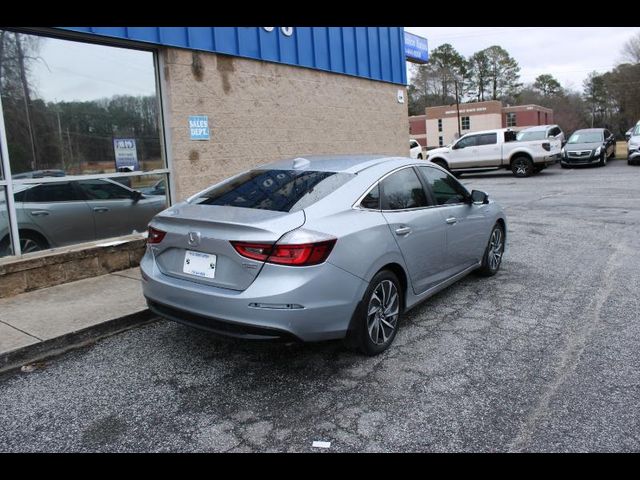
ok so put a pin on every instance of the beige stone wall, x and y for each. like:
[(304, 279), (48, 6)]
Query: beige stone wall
[(260, 112)]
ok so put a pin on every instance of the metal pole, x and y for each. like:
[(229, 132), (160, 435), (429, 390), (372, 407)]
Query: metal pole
[(455, 82), (6, 169)]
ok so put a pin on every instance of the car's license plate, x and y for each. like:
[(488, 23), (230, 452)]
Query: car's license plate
[(199, 264)]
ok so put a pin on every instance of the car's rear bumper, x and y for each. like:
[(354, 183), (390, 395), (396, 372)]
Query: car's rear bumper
[(307, 303)]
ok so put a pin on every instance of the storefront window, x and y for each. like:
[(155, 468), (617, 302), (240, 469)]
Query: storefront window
[(78, 108), (5, 231), (57, 214)]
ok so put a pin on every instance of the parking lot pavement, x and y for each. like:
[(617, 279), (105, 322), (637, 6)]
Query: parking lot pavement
[(541, 357)]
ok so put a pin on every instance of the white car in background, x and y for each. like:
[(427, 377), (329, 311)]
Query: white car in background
[(415, 149)]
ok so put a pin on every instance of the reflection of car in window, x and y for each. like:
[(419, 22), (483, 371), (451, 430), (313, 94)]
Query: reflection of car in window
[(157, 188), (63, 213)]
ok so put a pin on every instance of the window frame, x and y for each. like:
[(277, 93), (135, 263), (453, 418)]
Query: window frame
[(6, 180), (427, 191), (431, 194), (462, 119)]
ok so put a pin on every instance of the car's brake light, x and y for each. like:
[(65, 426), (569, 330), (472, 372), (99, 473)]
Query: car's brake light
[(255, 251), (546, 146), (155, 235), (302, 255), (296, 249)]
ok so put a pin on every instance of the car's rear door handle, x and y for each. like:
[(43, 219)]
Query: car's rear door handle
[(39, 213), (451, 220), (403, 230), (100, 209)]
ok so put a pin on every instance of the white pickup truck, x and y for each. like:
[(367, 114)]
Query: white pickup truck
[(496, 149)]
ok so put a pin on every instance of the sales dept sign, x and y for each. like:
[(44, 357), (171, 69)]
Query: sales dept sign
[(199, 127)]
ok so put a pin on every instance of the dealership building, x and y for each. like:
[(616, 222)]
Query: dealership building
[(101, 128), (441, 125)]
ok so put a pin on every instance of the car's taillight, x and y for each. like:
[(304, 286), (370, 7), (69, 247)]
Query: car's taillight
[(255, 251), (293, 249), (155, 235), (546, 146), (302, 255)]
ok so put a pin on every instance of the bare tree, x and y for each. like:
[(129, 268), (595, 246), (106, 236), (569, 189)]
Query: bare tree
[(631, 49)]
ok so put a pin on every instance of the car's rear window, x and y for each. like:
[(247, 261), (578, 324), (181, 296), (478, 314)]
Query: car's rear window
[(279, 190), (529, 136)]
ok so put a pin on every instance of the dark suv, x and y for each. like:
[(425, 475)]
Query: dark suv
[(589, 146)]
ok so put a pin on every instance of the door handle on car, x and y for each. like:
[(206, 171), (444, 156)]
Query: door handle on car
[(100, 209), (403, 230), (39, 213), (451, 220)]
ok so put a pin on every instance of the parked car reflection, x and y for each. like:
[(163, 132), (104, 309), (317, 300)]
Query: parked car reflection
[(64, 213)]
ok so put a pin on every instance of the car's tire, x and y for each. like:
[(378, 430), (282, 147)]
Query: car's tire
[(441, 163), (29, 242), (603, 160), (493, 253), (376, 321), (564, 166), (522, 167)]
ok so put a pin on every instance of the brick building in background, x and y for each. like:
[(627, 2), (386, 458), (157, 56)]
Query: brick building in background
[(439, 125)]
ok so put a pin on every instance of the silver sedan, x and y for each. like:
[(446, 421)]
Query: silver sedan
[(319, 248)]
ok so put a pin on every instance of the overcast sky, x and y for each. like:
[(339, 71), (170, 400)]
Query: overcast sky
[(567, 53), (73, 71), (85, 72)]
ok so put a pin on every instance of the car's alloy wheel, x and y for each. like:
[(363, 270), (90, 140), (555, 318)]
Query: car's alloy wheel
[(382, 312), (28, 244), (375, 322), (522, 167), (496, 249), (493, 253)]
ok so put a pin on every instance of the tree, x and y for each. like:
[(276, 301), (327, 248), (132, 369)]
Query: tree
[(631, 49), (449, 67), (622, 86), (547, 85), (478, 76), (504, 72), (595, 95)]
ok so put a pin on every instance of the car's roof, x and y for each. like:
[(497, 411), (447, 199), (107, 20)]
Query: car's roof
[(331, 163), (493, 130), (589, 130)]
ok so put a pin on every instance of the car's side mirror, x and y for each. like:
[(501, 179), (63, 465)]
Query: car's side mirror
[(136, 196), (479, 198)]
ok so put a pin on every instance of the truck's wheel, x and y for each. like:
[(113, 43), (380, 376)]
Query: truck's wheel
[(522, 167), (441, 163)]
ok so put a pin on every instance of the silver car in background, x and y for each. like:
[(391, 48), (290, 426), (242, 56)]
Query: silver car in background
[(319, 248), (56, 214)]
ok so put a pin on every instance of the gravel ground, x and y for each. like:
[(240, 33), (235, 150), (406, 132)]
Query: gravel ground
[(542, 357)]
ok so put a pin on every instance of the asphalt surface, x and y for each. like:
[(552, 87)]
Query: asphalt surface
[(545, 356)]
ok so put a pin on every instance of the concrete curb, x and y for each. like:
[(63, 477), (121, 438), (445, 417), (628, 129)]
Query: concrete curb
[(70, 341)]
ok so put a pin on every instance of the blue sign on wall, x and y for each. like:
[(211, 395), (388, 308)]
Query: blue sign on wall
[(199, 127), (416, 48), (376, 53)]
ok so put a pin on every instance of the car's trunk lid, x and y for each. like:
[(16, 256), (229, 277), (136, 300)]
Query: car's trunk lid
[(209, 230)]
